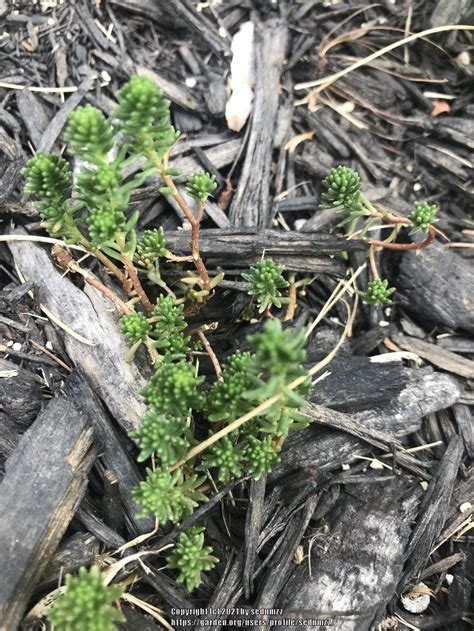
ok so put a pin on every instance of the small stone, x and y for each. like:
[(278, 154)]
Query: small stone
[(417, 600)]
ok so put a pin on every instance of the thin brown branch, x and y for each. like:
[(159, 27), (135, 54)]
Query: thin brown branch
[(113, 269), (212, 355), (195, 230), (403, 246), (373, 264), (395, 219), (67, 262), (133, 275)]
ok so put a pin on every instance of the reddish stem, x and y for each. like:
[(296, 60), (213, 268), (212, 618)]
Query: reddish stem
[(195, 222), (132, 272), (212, 355), (403, 246)]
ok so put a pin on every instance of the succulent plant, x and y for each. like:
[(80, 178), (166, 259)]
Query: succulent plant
[(422, 217), (168, 496), (201, 185), (87, 604), (378, 292), (265, 281), (191, 557)]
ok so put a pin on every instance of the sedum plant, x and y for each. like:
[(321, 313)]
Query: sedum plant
[(378, 292), (87, 604), (265, 281), (342, 191), (191, 557), (168, 495), (248, 379), (92, 208)]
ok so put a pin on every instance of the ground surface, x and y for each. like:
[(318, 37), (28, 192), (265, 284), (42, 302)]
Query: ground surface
[(348, 521)]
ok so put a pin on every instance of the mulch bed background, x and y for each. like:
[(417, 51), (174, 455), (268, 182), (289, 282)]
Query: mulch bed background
[(348, 521)]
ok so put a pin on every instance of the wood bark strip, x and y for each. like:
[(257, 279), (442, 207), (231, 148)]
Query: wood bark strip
[(89, 314), (82, 548), (114, 452), (433, 512), (200, 25), (21, 398), (355, 568), (241, 247), (45, 480), (251, 203), (437, 286), (440, 357), (327, 450)]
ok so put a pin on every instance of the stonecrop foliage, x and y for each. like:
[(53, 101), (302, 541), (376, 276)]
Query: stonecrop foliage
[(115, 156), (342, 191), (87, 604), (91, 206)]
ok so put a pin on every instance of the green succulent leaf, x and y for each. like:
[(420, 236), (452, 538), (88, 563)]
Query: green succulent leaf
[(173, 389), (169, 326), (151, 246), (226, 457), (265, 281), (168, 495), (378, 292), (143, 113), (422, 217), (191, 557), (87, 604), (165, 436), (224, 400), (136, 327), (261, 455), (342, 192), (201, 185), (89, 134), (48, 178)]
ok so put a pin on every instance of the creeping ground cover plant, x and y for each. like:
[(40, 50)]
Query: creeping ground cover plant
[(194, 429), (342, 191)]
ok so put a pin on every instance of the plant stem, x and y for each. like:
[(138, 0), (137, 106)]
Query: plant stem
[(404, 246), (195, 229), (68, 262), (290, 311), (133, 275), (106, 262), (212, 355), (373, 264), (194, 222)]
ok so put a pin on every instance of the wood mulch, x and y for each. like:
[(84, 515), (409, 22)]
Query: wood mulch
[(369, 512)]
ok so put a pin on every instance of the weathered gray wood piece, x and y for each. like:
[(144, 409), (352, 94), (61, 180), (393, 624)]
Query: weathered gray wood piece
[(433, 511), (241, 247), (251, 204), (112, 451), (437, 286), (20, 397), (354, 570), (329, 449), (45, 480), (439, 357), (93, 317), (82, 548)]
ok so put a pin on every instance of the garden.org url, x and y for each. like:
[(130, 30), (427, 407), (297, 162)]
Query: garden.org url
[(279, 622)]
